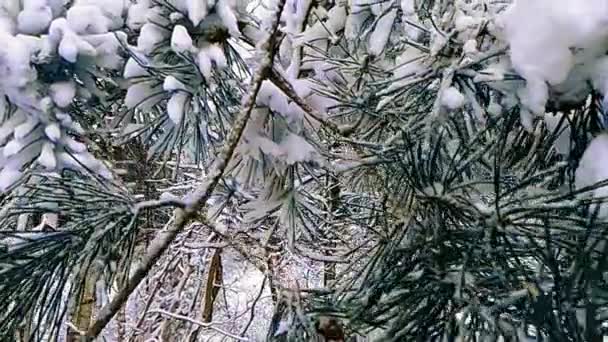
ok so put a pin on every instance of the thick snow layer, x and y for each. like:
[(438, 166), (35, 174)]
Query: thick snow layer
[(547, 38), (53, 31), (272, 97), (35, 18), (25, 128), (113, 10), (87, 19)]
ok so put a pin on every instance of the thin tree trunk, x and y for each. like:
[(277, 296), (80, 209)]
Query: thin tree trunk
[(213, 284), (329, 268), (84, 307)]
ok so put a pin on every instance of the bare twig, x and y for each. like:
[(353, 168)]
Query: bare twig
[(255, 302), (202, 324), (201, 195)]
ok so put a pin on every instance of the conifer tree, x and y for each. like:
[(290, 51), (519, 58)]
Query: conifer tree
[(438, 164)]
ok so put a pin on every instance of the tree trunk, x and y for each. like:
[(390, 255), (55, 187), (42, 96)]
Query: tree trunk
[(84, 306), (213, 284), (333, 187)]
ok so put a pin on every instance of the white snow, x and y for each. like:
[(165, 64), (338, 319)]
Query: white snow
[(470, 47), (593, 168), (150, 36), (133, 69), (106, 47), (63, 93), (87, 19), (35, 17), (336, 20), (113, 10), (204, 63), (381, 33), (542, 36), (13, 147), (452, 98), (47, 156), (216, 54), (171, 84), (8, 177), (181, 42), (208, 56), (141, 95), (25, 128), (53, 132), (228, 17), (296, 149), (272, 97), (176, 106), (68, 48), (136, 17), (73, 145), (197, 10)]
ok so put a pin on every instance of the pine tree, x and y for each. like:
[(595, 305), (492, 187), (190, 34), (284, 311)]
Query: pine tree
[(438, 164)]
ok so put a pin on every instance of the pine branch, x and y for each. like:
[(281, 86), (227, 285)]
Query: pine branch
[(201, 195)]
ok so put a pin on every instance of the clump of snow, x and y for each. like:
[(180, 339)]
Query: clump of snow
[(593, 168), (142, 95), (226, 14), (136, 17), (565, 34), (381, 33), (63, 93), (87, 19), (452, 98), (209, 56), (35, 17), (47, 156), (133, 69), (53, 132), (52, 31), (150, 36), (272, 97), (197, 10), (336, 19), (171, 84), (181, 42), (176, 106), (296, 149)]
